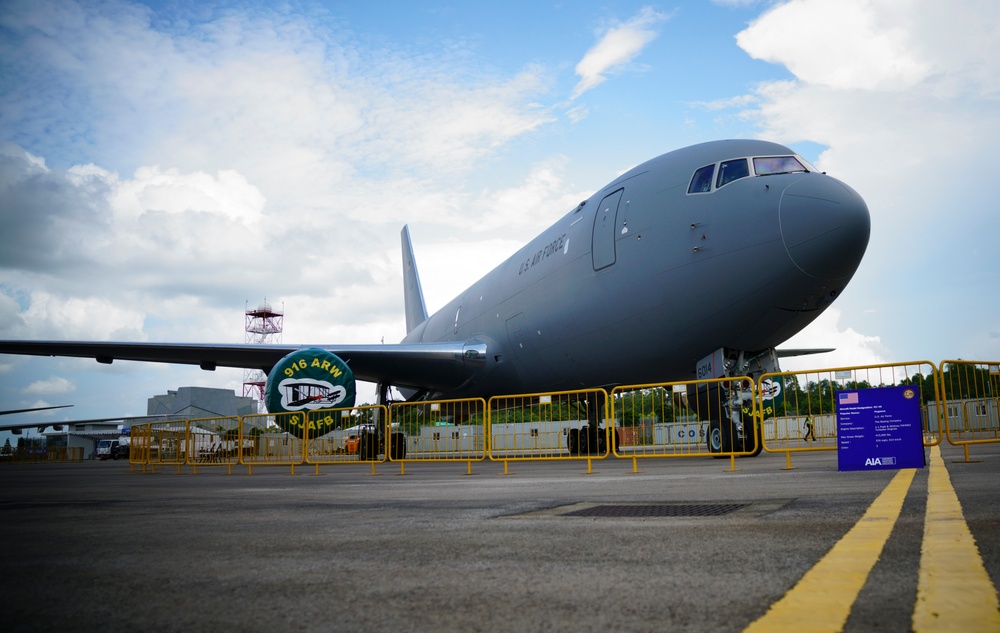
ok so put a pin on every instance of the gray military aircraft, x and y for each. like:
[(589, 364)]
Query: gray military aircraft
[(16, 428), (707, 256), (13, 411)]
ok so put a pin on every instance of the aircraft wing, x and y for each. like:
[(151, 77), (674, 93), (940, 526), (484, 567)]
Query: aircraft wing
[(785, 353), (58, 424), (11, 411), (420, 365)]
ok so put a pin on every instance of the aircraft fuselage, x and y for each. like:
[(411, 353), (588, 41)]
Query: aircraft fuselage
[(652, 273)]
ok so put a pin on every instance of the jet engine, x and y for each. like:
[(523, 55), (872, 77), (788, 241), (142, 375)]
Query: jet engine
[(304, 381)]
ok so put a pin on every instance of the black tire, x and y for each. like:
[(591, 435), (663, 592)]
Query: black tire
[(749, 442), (397, 446), (367, 447), (602, 442), (718, 440), (593, 442), (573, 441)]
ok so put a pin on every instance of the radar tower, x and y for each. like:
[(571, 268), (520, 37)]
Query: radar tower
[(263, 325)]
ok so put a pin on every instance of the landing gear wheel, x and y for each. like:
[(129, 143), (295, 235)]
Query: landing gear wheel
[(593, 442), (368, 447), (602, 442), (573, 441), (397, 446), (718, 439), (752, 444)]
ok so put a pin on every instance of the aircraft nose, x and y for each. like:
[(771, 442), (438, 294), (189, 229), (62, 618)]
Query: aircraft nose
[(825, 226)]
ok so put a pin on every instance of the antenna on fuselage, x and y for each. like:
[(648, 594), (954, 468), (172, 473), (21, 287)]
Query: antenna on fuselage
[(413, 294)]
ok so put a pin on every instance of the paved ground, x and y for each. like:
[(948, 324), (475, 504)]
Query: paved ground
[(92, 546)]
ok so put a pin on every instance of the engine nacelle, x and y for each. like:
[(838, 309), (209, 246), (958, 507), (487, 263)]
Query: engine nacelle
[(307, 380)]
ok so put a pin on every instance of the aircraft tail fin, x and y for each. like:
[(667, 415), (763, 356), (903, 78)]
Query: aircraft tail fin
[(413, 294)]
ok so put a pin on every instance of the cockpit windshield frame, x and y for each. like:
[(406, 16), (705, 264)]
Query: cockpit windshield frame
[(773, 165), (705, 180)]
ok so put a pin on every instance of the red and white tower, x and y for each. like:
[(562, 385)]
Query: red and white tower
[(263, 325)]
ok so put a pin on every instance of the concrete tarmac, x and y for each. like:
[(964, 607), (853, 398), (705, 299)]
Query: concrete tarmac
[(547, 547)]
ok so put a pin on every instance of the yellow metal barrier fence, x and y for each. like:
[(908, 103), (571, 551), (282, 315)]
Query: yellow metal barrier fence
[(346, 436), (264, 440), (168, 444), (438, 431), (686, 419), (970, 402), (139, 440), (783, 412), (41, 455), (803, 409), (213, 442), (564, 425)]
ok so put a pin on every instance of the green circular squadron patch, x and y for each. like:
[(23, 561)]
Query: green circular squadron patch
[(307, 380)]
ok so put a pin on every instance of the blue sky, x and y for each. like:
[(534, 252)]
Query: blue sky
[(165, 163)]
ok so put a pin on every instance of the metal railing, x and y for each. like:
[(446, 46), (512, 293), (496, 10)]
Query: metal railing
[(438, 431), (347, 436), (782, 412), (804, 416), (969, 404), (693, 418), (561, 425)]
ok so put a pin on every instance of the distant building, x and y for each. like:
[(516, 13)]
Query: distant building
[(187, 402), (82, 435), (201, 402)]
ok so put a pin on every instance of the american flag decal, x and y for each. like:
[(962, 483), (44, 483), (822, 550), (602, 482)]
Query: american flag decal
[(848, 397)]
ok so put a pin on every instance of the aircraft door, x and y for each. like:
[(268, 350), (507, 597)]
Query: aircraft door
[(515, 338), (603, 246)]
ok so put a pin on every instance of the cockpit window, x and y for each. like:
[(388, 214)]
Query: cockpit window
[(769, 165), (702, 180), (731, 170), (736, 168)]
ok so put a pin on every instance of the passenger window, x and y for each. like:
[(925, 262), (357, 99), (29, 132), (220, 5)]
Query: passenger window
[(768, 165), (702, 180), (731, 170)]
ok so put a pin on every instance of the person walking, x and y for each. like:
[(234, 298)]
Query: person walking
[(809, 431)]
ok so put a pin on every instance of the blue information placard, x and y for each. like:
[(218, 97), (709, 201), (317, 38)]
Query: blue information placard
[(879, 429)]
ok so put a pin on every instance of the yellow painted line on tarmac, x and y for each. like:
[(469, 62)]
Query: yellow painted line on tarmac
[(822, 599), (954, 592)]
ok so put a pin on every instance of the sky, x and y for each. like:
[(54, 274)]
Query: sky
[(165, 165)]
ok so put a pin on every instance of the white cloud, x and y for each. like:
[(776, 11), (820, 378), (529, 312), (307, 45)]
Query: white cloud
[(530, 206), (849, 44), (927, 103), (740, 101), (904, 96), (53, 386), (263, 150), (227, 193), (618, 46), (851, 348), (86, 318), (447, 268), (739, 3)]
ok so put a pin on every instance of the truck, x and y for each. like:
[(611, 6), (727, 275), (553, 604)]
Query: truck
[(113, 449)]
